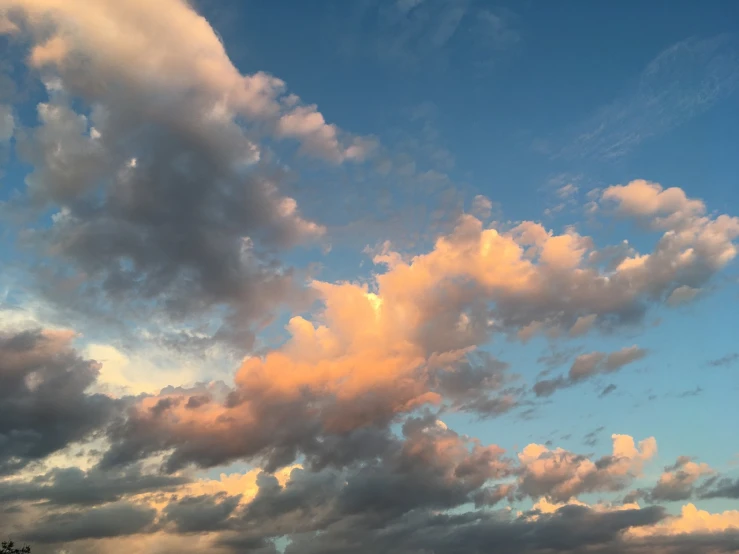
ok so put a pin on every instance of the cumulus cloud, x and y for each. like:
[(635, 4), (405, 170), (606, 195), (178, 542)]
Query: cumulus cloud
[(163, 192), (679, 479), (44, 405), (692, 520), (168, 211), (377, 350), (560, 475)]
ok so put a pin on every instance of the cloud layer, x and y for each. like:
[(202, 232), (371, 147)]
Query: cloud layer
[(155, 218)]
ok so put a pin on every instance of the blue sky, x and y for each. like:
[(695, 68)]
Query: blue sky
[(243, 236)]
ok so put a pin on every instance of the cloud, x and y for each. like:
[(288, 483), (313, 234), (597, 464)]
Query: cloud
[(588, 365), (566, 191), (591, 438), (570, 529), (7, 123), (692, 520), (719, 488), (44, 405), (678, 480), (73, 486), (682, 82), (375, 351), (724, 360), (194, 514), (164, 194), (560, 475), (112, 520), (151, 59), (482, 207), (682, 295), (413, 34)]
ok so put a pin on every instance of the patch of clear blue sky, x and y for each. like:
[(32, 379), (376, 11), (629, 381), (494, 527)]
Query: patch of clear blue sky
[(510, 113)]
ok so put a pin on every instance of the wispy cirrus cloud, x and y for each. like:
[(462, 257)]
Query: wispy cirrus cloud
[(421, 33), (682, 82)]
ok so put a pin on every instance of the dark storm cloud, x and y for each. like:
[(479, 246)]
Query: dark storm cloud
[(71, 485), (113, 520), (43, 403)]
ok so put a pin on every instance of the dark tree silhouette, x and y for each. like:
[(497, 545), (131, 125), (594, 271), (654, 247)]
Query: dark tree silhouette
[(9, 548)]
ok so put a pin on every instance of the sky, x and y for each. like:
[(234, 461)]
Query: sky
[(399, 276)]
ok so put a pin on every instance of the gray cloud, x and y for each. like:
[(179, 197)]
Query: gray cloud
[(195, 514), (679, 481), (43, 403), (726, 360), (73, 486), (168, 207), (479, 384), (719, 488), (113, 520), (587, 366), (571, 529)]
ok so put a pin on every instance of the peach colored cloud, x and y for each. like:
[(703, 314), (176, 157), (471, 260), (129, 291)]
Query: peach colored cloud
[(690, 521), (369, 353), (559, 475), (166, 48)]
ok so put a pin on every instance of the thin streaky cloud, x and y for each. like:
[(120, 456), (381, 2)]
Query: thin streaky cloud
[(682, 82)]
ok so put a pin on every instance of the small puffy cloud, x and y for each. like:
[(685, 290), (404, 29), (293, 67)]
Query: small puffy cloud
[(567, 191), (678, 480), (582, 325), (682, 295), (482, 207), (560, 475)]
